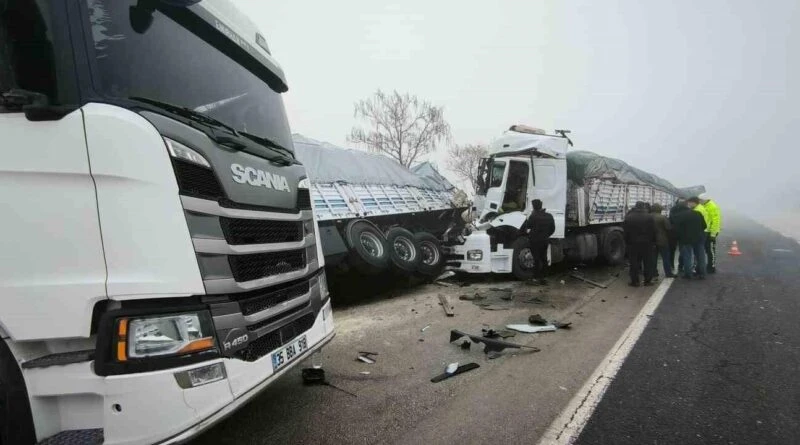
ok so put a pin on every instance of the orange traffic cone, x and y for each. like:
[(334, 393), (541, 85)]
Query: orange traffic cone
[(734, 249)]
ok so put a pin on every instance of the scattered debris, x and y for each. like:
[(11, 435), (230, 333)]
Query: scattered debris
[(534, 300), (446, 275), (493, 355), (316, 376), (536, 319), (364, 372), (530, 329), (421, 339), (488, 343), (494, 307), (494, 333), (563, 282), (367, 357), (425, 328), (476, 297), (586, 280), (562, 325), (448, 308), (460, 370), (602, 301), (466, 345), (451, 368), (562, 388)]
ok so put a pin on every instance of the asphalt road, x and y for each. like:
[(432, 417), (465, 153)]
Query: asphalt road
[(719, 362), (511, 399)]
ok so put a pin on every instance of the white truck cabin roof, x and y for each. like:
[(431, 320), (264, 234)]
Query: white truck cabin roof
[(521, 140)]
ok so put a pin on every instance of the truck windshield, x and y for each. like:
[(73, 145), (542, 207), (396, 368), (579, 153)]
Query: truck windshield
[(165, 62)]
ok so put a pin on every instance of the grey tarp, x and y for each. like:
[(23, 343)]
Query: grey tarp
[(583, 165), (328, 163), (431, 176)]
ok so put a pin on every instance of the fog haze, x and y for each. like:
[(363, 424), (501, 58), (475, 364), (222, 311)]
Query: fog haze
[(696, 92)]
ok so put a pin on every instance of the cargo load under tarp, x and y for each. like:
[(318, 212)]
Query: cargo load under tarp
[(355, 184), (585, 165)]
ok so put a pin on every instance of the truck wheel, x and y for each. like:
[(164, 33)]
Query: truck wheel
[(16, 421), (432, 260), (522, 262), (404, 251), (367, 246), (613, 249)]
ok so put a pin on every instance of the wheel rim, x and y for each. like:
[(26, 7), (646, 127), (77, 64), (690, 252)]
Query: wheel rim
[(404, 249), (371, 244), (525, 258), (430, 254)]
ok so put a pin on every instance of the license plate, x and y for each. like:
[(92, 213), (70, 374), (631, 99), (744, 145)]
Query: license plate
[(288, 353)]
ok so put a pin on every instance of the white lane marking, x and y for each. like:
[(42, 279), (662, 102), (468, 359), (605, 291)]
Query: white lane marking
[(569, 424)]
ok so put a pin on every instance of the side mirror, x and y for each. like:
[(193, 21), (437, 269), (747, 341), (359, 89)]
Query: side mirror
[(141, 16)]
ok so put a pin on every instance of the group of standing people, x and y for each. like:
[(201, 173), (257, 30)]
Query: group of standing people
[(691, 230)]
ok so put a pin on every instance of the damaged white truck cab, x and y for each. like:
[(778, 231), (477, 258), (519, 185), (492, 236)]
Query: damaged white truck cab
[(161, 263), (588, 205)]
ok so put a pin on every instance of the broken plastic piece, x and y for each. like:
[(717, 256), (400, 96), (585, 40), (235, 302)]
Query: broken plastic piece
[(425, 328), (316, 376), (451, 368), (367, 357), (488, 343), (466, 344), (530, 329), (460, 370), (586, 280), (562, 325)]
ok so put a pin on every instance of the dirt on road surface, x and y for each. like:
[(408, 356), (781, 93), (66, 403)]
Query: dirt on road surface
[(509, 399)]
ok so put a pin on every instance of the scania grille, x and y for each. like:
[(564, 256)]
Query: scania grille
[(275, 339), (259, 265), (258, 231), (260, 300), (194, 180)]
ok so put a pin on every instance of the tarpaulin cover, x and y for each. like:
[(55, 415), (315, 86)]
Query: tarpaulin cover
[(431, 176), (584, 165), (326, 162)]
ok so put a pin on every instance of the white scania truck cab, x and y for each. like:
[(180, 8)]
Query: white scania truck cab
[(160, 260)]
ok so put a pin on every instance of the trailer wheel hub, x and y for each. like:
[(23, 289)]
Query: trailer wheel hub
[(404, 249), (430, 254), (371, 244)]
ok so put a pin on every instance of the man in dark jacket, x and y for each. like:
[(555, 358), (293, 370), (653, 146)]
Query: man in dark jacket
[(640, 237), (680, 205), (542, 226), (663, 229), (690, 227)]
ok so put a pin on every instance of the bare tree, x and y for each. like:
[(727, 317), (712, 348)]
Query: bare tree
[(399, 125), (463, 161)]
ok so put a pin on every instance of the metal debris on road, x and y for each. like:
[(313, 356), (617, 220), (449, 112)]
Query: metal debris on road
[(586, 280), (425, 328), (494, 333), (446, 305), (488, 343), (562, 325), (367, 357), (466, 345), (530, 329), (460, 370), (316, 376)]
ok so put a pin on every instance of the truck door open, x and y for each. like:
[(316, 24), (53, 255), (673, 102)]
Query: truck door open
[(550, 186), (515, 198)]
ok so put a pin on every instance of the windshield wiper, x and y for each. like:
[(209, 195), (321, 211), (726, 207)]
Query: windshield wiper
[(285, 152), (185, 112)]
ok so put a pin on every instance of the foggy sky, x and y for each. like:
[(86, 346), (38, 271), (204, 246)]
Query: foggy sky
[(696, 92)]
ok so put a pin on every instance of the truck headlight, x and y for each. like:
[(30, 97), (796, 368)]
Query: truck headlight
[(164, 335), (323, 285), (304, 184), (182, 152), (474, 255)]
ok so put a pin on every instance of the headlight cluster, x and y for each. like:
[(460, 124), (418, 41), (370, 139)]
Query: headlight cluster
[(164, 335), (474, 255), (180, 151)]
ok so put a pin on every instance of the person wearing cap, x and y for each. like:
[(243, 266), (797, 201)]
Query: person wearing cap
[(714, 221)]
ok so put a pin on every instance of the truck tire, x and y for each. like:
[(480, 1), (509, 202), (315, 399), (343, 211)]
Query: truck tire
[(522, 261), (432, 261), (367, 245), (16, 421), (404, 250), (612, 250)]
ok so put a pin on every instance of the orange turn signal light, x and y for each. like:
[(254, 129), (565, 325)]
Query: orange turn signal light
[(201, 344), (122, 337)]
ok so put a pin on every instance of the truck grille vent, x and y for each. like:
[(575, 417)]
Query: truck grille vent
[(263, 323), (275, 339), (259, 265), (303, 199), (257, 301), (256, 231), (194, 180)]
